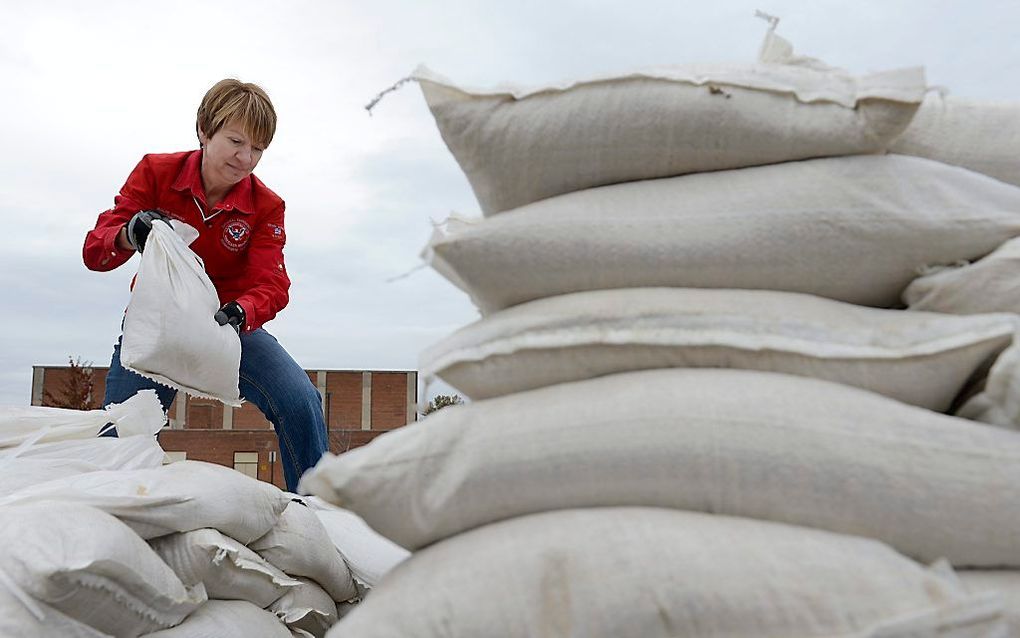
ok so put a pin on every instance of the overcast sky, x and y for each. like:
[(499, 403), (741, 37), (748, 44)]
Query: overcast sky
[(89, 87)]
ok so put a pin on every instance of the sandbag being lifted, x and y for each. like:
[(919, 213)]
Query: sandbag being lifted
[(170, 335), (856, 229), (519, 145)]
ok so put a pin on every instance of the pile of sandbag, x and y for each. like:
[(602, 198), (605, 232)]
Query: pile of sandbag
[(700, 408), (99, 538)]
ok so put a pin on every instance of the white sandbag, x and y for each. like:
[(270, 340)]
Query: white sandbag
[(856, 229), (300, 545), (307, 608), (227, 619), (29, 617), (659, 573), (229, 570), (170, 335), (178, 497), (90, 567), (369, 555), (755, 444), (979, 135), (22, 467), (140, 414), (519, 145), (18, 474), (107, 453), (1005, 583), (920, 358), (990, 284)]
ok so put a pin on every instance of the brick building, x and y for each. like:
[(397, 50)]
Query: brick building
[(358, 404)]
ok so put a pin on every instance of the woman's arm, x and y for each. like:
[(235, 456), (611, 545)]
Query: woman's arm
[(106, 245)]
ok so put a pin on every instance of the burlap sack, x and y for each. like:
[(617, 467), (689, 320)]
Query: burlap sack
[(856, 229), (658, 573), (920, 358), (980, 135), (755, 444), (519, 145)]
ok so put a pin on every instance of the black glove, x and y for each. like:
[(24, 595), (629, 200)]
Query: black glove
[(231, 313), (138, 227)]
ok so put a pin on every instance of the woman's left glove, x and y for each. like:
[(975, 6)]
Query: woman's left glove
[(231, 313)]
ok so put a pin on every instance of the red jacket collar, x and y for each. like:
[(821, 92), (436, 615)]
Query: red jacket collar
[(190, 179)]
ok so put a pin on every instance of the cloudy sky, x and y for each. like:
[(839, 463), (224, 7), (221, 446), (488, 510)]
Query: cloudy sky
[(88, 88)]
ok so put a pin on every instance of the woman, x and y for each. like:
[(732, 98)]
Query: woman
[(241, 241)]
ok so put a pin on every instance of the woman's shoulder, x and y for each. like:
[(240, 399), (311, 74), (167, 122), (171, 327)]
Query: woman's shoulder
[(265, 196), (166, 162)]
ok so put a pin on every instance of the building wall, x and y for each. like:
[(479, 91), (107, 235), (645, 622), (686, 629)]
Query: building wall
[(359, 405)]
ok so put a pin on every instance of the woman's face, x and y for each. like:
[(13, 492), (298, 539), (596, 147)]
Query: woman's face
[(229, 156)]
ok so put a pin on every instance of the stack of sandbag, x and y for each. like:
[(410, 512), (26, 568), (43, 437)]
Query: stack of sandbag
[(696, 411), (171, 550), (264, 561)]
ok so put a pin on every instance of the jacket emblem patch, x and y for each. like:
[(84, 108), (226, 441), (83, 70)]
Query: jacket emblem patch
[(236, 234)]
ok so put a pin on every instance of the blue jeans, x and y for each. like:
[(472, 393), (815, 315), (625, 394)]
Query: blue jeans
[(269, 378)]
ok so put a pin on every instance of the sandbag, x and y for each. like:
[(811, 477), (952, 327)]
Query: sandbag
[(307, 608), (855, 229), (178, 497), (90, 567), (1005, 583), (29, 617), (369, 555), (18, 474), (227, 569), (990, 284), (519, 145), (170, 335), (227, 619), (920, 358), (300, 545), (23, 467), (659, 573), (107, 453), (975, 134), (743, 443), (139, 414)]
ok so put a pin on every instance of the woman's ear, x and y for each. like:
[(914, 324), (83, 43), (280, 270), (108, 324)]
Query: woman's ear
[(202, 139)]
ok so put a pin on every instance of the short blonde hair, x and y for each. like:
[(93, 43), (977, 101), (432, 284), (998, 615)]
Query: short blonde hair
[(232, 100)]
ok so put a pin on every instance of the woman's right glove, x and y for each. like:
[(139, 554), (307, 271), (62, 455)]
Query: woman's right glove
[(139, 225)]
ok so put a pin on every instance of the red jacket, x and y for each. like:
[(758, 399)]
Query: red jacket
[(241, 242)]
